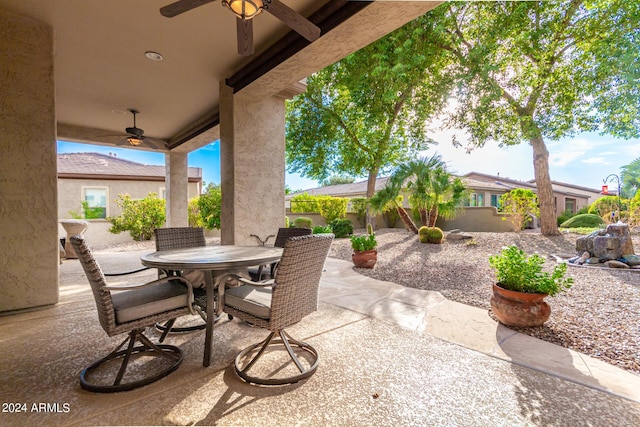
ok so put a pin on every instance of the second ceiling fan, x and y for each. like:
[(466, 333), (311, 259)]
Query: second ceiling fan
[(245, 11)]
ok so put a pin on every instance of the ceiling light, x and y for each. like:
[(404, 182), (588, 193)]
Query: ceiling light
[(244, 9), (154, 56), (134, 140)]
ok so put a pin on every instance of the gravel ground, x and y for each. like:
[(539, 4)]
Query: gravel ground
[(599, 316)]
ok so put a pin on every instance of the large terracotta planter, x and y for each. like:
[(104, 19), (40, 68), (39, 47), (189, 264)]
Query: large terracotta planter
[(519, 308), (365, 259)]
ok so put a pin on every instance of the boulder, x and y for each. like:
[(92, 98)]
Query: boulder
[(607, 244)]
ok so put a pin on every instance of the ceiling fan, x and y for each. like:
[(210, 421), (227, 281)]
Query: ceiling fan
[(135, 135), (245, 11)]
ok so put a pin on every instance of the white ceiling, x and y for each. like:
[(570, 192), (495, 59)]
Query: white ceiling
[(101, 69)]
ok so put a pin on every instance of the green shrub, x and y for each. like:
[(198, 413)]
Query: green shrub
[(139, 216), (365, 242), (584, 220), (517, 272), (287, 222), (319, 229), (520, 203), (359, 207), (303, 222), (328, 206), (341, 227), (435, 235), (564, 216), (209, 204), (422, 234)]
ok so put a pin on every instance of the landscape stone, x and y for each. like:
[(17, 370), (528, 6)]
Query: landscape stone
[(608, 244), (615, 264), (631, 259)]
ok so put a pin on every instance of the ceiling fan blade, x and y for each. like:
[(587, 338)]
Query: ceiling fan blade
[(293, 19), (181, 6), (245, 36)]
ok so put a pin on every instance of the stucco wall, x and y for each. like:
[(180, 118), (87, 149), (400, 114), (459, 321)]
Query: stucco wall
[(470, 219), (28, 196), (70, 196)]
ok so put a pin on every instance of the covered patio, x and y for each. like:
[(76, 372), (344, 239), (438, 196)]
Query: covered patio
[(73, 69), (389, 356)]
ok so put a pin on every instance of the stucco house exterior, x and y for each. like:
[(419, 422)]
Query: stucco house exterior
[(98, 179), (480, 211)]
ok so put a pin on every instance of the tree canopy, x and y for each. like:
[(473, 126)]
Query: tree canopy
[(530, 71), (367, 113)]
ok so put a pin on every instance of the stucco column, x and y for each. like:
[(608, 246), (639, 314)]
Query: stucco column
[(252, 163), (29, 248), (177, 181)]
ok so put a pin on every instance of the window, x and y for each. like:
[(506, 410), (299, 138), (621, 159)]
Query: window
[(95, 202), (476, 199), (162, 193), (570, 205), (495, 200)]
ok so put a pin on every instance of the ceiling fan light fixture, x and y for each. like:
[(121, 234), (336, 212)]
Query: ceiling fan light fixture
[(244, 9), (134, 140)]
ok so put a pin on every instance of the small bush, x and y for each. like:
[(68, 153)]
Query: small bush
[(564, 216), (435, 235), (303, 222), (430, 235), (423, 234), (318, 229), (366, 242), (359, 207), (341, 227), (584, 220)]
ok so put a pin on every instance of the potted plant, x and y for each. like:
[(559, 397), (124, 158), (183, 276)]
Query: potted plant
[(522, 285), (364, 247)]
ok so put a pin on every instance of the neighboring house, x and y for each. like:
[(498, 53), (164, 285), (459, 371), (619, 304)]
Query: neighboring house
[(98, 179), (567, 197), (484, 192)]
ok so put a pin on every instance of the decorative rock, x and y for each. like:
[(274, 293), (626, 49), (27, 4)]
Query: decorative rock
[(615, 264), (631, 259), (457, 235), (607, 244), (621, 231), (592, 261)]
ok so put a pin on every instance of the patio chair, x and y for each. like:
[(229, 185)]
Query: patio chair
[(280, 303), (181, 238), (131, 309), (284, 233)]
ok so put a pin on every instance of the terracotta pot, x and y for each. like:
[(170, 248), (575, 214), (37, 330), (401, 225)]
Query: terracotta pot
[(519, 308), (365, 259)]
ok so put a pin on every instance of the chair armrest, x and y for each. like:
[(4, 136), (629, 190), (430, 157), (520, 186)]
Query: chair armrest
[(269, 282), (190, 298)]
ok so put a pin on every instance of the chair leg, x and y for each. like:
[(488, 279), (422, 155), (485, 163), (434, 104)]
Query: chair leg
[(285, 340), (169, 352)]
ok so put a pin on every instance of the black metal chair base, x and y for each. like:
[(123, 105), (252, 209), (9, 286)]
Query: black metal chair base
[(147, 348), (285, 341)]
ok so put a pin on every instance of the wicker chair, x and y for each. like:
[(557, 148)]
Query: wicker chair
[(131, 309), (181, 238), (280, 303), (258, 272)]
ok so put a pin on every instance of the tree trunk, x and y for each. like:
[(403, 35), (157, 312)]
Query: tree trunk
[(548, 221), (404, 216), (433, 216), (424, 218), (371, 190)]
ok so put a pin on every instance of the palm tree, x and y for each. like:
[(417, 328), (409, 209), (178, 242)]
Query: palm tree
[(388, 197), (432, 191), (631, 178)]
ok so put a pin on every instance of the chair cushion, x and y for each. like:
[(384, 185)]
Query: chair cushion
[(255, 300), (148, 301)]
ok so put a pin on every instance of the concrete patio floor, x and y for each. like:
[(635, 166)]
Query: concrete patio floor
[(390, 356)]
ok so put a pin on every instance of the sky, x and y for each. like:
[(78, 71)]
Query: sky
[(585, 159)]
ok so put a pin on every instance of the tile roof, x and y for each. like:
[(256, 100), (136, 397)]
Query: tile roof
[(98, 164)]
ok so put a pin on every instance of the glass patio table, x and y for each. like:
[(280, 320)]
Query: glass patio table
[(217, 259)]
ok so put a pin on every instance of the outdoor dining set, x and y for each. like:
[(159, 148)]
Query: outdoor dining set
[(269, 287)]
